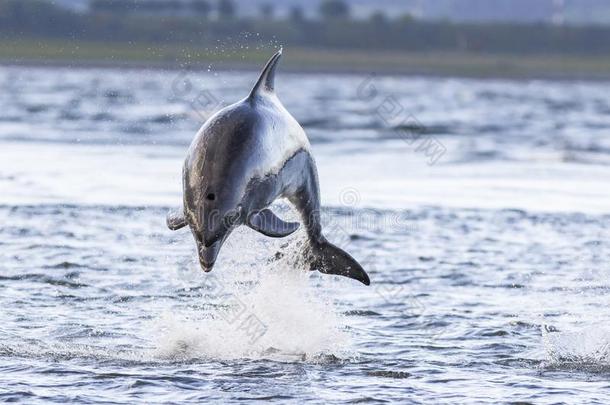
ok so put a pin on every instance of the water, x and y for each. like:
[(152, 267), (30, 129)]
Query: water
[(486, 241)]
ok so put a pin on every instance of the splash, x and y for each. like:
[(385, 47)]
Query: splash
[(252, 306), (588, 348)]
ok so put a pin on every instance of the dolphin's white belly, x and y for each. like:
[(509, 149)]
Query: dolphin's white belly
[(281, 140)]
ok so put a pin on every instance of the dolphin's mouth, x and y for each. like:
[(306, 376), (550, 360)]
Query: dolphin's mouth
[(207, 256)]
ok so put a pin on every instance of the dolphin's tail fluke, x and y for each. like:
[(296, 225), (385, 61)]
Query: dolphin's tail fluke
[(329, 259), (266, 81)]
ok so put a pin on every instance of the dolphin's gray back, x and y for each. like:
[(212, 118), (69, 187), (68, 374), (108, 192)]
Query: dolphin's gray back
[(249, 140)]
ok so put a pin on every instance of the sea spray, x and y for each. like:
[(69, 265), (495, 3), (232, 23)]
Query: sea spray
[(586, 348), (254, 305)]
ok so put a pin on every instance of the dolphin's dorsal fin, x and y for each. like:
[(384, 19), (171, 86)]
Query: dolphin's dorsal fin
[(265, 82)]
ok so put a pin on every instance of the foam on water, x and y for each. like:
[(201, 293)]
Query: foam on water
[(279, 318), (252, 307), (588, 348)]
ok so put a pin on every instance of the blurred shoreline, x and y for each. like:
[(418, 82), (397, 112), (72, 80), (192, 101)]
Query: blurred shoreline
[(305, 60)]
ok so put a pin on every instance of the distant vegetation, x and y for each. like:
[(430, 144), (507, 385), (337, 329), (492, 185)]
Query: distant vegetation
[(204, 22)]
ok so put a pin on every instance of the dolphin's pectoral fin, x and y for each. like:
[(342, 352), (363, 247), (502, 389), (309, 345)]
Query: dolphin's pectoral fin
[(175, 220), (267, 223)]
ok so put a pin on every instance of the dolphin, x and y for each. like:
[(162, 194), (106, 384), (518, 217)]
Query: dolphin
[(244, 157)]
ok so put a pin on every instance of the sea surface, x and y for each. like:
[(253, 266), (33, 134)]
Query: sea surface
[(480, 209)]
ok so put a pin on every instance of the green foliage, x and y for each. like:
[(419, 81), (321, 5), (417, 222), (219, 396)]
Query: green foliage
[(379, 19), (200, 7), (226, 9), (334, 10), (297, 15), (267, 10), (36, 17), (130, 20)]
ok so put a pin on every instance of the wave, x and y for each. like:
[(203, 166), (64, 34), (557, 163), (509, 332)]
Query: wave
[(587, 349)]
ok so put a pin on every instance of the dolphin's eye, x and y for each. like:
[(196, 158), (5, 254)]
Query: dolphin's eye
[(211, 196)]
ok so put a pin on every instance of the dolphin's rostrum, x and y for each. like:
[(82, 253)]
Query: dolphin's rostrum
[(243, 158)]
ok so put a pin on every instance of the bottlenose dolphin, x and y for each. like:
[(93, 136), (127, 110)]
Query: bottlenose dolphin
[(243, 158)]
